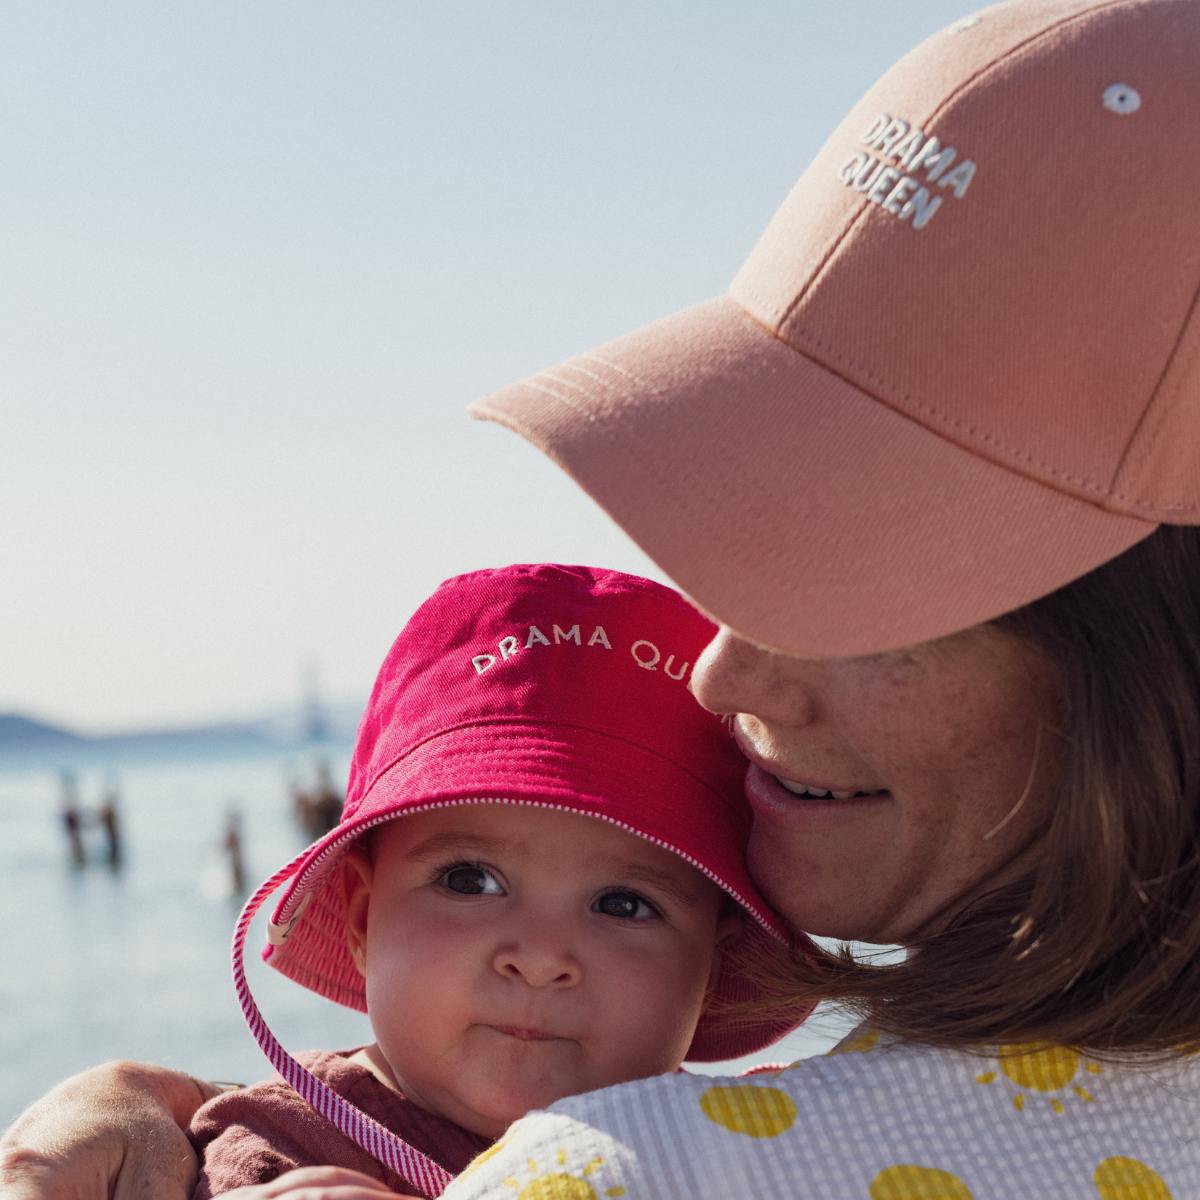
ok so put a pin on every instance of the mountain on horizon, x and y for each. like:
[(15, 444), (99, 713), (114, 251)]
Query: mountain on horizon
[(18, 729), (24, 735)]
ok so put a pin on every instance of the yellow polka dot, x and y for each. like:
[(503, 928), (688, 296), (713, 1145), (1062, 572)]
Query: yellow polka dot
[(482, 1157), (1120, 1178), (759, 1112), (1044, 1070), (905, 1181), (860, 1044), (557, 1187)]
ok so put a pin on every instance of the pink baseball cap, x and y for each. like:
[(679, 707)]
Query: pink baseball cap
[(553, 686), (962, 365)]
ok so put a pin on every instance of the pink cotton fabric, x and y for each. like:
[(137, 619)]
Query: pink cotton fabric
[(257, 1133)]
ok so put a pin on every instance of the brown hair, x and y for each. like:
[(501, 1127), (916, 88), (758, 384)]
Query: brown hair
[(1098, 947)]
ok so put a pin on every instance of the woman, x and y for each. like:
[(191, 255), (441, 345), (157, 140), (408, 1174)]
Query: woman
[(934, 465)]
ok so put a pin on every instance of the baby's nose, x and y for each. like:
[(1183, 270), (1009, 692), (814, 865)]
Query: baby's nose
[(539, 963)]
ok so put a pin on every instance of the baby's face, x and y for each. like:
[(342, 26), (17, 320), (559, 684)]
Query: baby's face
[(515, 955)]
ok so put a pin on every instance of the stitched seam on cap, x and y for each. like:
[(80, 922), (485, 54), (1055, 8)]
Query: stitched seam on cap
[(1155, 425), (738, 549), (947, 419), (822, 265), (762, 302), (1088, 484), (928, 121), (921, 406)]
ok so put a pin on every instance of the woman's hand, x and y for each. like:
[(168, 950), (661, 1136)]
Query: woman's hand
[(114, 1132), (317, 1183)]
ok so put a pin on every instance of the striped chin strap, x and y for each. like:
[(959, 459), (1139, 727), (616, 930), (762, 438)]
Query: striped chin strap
[(394, 1152)]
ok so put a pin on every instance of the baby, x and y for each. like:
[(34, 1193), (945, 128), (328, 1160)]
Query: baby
[(536, 888)]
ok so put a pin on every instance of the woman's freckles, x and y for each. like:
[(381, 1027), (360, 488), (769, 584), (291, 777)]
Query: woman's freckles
[(906, 772)]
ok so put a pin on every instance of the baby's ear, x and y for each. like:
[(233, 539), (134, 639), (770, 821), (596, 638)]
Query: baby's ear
[(730, 926), (354, 870)]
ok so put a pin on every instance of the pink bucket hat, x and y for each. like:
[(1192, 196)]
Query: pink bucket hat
[(555, 686), (962, 365)]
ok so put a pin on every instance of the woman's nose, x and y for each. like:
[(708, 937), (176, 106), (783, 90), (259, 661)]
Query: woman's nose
[(540, 962), (733, 675)]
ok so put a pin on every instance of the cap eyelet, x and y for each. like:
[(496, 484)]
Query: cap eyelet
[(1122, 99), (965, 24)]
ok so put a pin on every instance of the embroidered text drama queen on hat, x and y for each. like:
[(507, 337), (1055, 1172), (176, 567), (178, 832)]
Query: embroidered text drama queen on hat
[(560, 687), (961, 367)]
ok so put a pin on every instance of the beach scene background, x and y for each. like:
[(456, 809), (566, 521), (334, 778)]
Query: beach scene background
[(132, 961), (257, 260)]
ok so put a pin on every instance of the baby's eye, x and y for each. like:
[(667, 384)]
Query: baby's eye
[(468, 879), (627, 905)]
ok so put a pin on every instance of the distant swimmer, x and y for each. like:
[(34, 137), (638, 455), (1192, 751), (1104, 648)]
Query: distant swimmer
[(319, 810), (232, 845), (72, 820), (326, 802), (108, 817)]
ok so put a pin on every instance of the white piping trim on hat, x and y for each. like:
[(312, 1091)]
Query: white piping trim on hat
[(287, 916)]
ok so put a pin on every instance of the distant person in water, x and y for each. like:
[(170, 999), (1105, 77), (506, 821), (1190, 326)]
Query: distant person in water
[(231, 843), (317, 811), (72, 820), (326, 802), (108, 817)]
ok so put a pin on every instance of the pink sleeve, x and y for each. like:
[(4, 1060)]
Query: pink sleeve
[(254, 1134)]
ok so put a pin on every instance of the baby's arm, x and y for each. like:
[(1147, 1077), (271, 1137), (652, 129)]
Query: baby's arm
[(255, 1137), (319, 1183), (248, 1137)]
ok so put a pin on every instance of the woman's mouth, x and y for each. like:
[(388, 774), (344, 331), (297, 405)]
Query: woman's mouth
[(805, 789), (774, 795), (813, 791)]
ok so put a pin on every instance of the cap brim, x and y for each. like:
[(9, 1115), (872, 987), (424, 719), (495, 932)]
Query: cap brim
[(790, 504)]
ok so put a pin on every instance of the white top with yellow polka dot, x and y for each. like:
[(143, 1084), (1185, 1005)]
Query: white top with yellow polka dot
[(869, 1121)]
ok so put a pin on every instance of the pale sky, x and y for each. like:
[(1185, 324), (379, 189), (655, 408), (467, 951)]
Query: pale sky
[(257, 257)]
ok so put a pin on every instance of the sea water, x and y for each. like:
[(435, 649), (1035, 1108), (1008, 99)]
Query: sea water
[(98, 962)]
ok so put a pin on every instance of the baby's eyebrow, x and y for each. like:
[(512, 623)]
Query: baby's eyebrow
[(644, 873), (438, 844)]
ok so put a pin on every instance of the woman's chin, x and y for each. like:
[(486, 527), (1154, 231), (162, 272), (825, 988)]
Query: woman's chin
[(825, 906)]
